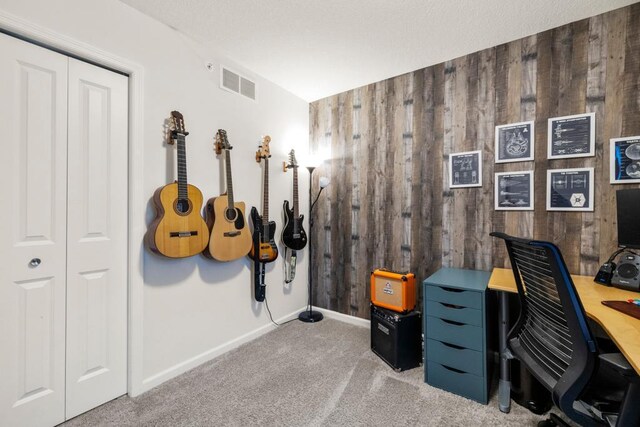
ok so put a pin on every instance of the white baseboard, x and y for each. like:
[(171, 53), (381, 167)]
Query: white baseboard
[(182, 367), (344, 317)]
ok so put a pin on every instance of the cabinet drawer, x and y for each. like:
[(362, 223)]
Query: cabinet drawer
[(456, 381), (467, 336), (459, 297), (457, 313), (470, 361)]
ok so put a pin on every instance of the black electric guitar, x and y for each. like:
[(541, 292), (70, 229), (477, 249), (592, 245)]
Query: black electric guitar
[(293, 235)]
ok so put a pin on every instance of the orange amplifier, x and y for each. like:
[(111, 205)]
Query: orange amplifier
[(393, 291)]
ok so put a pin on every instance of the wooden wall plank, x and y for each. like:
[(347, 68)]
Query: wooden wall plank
[(457, 103), (595, 97), (448, 148), (631, 118), (470, 143), (576, 104), (367, 208), (528, 80), (392, 175), (436, 171), (407, 173), (500, 257), (422, 123), (357, 152), (378, 178), (545, 107), (485, 136), (617, 22), (562, 44), (391, 204), (513, 220)]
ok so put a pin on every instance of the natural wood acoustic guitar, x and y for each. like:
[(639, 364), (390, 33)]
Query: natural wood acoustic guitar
[(178, 230), (230, 235)]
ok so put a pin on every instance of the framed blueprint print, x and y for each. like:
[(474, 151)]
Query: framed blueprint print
[(514, 142), (624, 162), (570, 189)]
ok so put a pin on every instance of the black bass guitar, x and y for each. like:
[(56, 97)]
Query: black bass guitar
[(293, 235)]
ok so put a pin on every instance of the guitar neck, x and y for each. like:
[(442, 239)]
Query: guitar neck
[(296, 212), (182, 167), (229, 180), (265, 194)]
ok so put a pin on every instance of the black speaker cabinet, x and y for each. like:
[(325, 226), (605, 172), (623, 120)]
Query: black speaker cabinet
[(396, 338), (627, 273)]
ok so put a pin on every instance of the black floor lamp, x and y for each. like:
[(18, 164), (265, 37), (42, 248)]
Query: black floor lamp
[(309, 315)]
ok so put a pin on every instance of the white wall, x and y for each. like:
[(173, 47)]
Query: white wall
[(193, 308)]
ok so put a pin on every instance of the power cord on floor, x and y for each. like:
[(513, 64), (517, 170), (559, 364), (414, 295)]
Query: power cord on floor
[(266, 304)]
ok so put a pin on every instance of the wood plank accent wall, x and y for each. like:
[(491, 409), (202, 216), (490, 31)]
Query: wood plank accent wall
[(389, 203)]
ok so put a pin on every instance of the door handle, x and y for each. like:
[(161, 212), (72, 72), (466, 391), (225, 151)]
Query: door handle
[(35, 262)]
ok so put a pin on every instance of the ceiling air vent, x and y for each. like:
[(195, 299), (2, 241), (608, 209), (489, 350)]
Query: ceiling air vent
[(236, 83)]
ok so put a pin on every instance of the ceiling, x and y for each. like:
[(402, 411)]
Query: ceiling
[(316, 48)]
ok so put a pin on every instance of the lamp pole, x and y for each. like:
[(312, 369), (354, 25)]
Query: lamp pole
[(310, 316)]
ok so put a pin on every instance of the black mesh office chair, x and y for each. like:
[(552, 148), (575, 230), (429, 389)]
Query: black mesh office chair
[(553, 340)]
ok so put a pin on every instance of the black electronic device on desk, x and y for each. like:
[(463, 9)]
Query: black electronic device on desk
[(624, 274), (627, 273), (396, 338)]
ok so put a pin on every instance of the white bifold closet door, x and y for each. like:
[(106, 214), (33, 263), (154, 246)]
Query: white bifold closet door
[(96, 237), (63, 282)]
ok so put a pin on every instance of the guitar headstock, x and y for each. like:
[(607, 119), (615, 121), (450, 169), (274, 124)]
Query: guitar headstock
[(293, 163), (177, 125), (264, 152), (221, 142)]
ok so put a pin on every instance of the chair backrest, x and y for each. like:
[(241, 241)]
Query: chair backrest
[(551, 337)]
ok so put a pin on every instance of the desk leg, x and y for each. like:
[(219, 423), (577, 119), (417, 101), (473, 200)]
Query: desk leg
[(504, 386)]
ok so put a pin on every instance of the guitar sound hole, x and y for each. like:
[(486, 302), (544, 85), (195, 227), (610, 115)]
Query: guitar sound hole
[(182, 206), (230, 214)]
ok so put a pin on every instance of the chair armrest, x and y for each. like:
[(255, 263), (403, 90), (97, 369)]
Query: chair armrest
[(619, 363)]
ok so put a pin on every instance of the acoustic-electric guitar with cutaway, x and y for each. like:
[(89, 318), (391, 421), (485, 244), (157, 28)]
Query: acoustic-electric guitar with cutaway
[(230, 235), (178, 231)]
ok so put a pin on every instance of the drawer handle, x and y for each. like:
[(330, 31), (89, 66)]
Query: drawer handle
[(457, 371), (444, 288), (457, 347), (455, 307), (451, 322)]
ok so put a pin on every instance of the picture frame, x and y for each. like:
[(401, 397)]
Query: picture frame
[(624, 160), (515, 142), (513, 191), (570, 190), (571, 136), (465, 169)]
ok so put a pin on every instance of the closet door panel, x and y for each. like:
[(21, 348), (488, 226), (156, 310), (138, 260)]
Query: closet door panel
[(33, 119), (97, 237)]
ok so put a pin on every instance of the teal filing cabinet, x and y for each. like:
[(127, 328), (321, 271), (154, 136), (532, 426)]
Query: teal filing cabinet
[(456, 314)]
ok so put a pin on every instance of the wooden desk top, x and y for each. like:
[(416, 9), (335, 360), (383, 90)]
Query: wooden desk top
[(624, 330)]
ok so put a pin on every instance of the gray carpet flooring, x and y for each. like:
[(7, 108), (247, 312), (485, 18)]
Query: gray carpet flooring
[(321, 374)]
